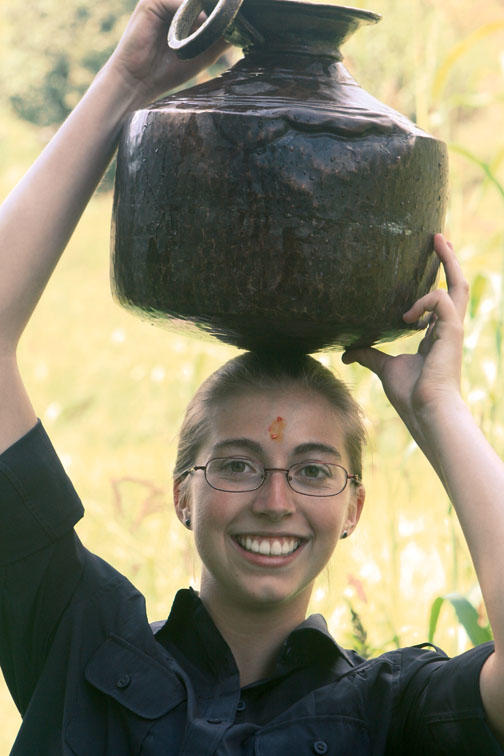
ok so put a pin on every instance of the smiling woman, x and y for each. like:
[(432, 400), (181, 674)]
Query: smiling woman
[(268, 479), (266, 518)]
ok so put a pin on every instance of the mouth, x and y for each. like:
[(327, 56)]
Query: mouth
[(274, 546)]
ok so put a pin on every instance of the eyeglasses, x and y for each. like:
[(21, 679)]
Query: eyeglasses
[(311, 477)]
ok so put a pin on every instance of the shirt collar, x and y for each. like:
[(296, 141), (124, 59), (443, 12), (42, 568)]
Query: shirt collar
[(314, 630), (192, 631)]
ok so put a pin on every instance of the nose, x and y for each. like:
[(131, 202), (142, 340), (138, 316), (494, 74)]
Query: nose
[(275, 498)]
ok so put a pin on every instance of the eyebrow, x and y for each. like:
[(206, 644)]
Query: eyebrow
[(315, 446), (308, 447), (245, 443)]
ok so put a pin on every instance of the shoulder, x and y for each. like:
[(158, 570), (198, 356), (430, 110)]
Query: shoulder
[(440, 701), (426, 672), (39, 502)]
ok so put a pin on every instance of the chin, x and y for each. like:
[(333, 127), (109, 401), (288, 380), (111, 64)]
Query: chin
[(268, 595)]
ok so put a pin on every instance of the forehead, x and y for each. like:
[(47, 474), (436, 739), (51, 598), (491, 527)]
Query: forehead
[(277, 418)]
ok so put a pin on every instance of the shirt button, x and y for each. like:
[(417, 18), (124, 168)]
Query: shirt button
[(241, 706), (320, 746), (214, 721), (123, 681)]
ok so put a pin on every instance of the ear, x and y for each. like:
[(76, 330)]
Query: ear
[(181, 500), (355, 508)]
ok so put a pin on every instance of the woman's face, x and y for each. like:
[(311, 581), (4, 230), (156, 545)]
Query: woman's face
[(277, 429)]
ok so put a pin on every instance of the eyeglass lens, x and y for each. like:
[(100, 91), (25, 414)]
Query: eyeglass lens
[(310, 477)]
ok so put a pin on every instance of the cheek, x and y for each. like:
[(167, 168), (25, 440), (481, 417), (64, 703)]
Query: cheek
[(205, 528), (328, 523), (211, 513), (212, 517)]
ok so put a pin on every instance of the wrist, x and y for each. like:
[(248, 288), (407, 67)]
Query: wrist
[(124, 94), (443, 408)]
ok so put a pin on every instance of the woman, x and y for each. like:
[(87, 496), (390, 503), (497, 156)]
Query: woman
[(268, 478)]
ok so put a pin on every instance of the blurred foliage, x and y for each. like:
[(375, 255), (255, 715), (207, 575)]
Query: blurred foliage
[(111, 389), (470, 618), (55, 49)]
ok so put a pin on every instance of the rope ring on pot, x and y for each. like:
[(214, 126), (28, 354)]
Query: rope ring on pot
[(187, 44)]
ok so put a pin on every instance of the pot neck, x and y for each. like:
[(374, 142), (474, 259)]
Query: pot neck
[(293, 27)]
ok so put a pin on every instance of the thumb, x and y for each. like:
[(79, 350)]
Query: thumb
[(368, 357)]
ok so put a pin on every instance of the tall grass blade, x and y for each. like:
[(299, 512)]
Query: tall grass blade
[(459, 50), (485, 167), (467, 616), (479, 287)]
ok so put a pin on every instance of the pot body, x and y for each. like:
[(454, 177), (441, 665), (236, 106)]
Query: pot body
[(279, 206)]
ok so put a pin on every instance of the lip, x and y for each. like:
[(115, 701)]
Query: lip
[(268, 534), (263, 560)]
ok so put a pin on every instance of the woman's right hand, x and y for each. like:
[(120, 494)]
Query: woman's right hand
[(144, 60)]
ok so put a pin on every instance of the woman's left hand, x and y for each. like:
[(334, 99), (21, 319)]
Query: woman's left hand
[(415, 383)]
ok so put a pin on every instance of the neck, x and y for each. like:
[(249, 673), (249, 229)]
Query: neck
[(254, 635)]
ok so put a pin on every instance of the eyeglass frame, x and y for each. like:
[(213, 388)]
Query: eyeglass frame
[(349, 477)]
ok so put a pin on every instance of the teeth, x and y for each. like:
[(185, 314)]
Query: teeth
[(289, 546), (268, 547), (276, 548)]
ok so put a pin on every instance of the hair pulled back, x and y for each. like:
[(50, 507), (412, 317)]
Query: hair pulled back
[(251, 372)]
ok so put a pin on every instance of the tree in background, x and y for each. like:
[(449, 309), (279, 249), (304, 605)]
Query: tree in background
[(55, 49)]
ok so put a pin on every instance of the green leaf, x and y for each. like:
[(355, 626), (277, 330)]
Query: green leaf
[(434, 616), (485, 167), (467, 616), (479, 287), (459, 50)]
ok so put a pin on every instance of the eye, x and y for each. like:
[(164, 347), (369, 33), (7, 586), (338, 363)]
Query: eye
[(233, 467), (312, 471), (236, 465)]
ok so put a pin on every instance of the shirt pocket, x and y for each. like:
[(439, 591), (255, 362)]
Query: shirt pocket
[(315, 736), (464, 734), (127, 693)]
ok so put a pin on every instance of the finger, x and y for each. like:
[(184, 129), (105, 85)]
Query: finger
[(437, 301), (456, 282), (368, 357), (429, 335)]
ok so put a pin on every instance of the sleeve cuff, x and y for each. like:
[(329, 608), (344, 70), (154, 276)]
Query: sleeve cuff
[(38, 501), (449, 712)]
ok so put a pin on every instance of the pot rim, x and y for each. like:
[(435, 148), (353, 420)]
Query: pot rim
[(347, 10)]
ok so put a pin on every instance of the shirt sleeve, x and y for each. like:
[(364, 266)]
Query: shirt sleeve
[(444, 712), (41, 558), (38, 503)]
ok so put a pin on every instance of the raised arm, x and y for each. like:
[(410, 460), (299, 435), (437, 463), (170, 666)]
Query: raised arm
[(39, 216), (425, 390)]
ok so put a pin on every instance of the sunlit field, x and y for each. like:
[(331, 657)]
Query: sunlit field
[(111, 388)]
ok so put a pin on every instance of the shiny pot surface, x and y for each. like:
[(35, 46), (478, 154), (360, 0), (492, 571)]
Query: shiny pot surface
[(280, 205)]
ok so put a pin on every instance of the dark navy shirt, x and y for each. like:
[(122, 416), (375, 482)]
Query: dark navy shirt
[(91, 677)]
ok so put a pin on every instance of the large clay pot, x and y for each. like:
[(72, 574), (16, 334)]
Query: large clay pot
[(279, 205)]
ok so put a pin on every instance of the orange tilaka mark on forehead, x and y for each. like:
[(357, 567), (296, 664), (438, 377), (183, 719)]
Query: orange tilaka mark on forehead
[(276, 429)]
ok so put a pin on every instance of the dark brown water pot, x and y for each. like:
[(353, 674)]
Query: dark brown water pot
[(279, 205)]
